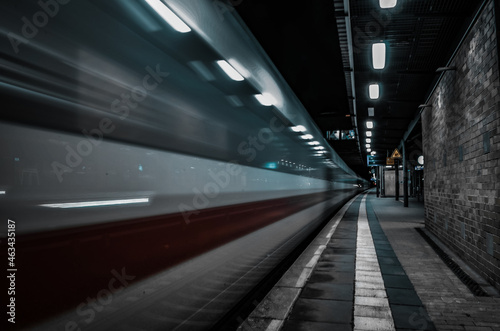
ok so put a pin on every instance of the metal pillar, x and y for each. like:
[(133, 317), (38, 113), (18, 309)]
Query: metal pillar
[(396, 163), (383, 182), (405, 175), (379, 182)]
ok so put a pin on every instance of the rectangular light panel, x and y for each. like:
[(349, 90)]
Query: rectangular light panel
[(230, 71), (265, 99), (388, 3), (378, 55), (374, 91), (169, 16)]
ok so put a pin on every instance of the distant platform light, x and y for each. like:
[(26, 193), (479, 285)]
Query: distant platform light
[(298, 128), (373, 153), (368, 150), (307, 136), (230, 71), (374, 90), (265, 99), (169, 16), (313, 143), (271, 165), (369, 125), (378, 55), (388, 3), (368, 133), (319, 147), (371, 111), (368, 145), (368, 140)]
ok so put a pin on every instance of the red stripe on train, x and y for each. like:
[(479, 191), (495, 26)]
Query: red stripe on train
[(58, 270)]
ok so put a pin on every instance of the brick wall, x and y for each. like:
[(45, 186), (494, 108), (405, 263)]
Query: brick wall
[(461, 135)]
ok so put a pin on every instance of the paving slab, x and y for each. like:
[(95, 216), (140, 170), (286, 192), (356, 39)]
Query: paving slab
[(448, 304), (316, 310), (331, 291), (414, 290)]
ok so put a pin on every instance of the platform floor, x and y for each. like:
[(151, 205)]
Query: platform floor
[(369, 269)]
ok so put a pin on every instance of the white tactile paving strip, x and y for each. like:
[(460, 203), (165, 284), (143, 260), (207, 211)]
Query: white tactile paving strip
[(371, 306)]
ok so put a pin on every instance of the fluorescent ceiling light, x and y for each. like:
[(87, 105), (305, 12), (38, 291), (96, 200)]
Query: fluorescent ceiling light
[(369, 125), (307, 136), (313, 143), (368, 140), (368, 150), (388, 3), (169, 16), (95, 203), (319, 147), (2, 192), (241, 69), (265, 99), (368, 133), (378, 55), (374, 91), (230, 71), (371, 111), (374, 153), (368, 145), (298, 128)]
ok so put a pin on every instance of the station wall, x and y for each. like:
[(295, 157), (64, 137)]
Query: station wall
[(461, 137)]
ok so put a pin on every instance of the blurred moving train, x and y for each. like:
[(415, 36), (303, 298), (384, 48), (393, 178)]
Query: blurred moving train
[(154, 161)]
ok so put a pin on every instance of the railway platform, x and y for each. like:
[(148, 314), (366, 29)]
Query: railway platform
[(375, 267)]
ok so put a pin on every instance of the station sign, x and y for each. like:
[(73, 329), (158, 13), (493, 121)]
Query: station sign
[(372, 161), (396, 154)]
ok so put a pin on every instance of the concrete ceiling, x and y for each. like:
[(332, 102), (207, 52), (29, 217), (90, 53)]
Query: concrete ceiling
[(323, 50)]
